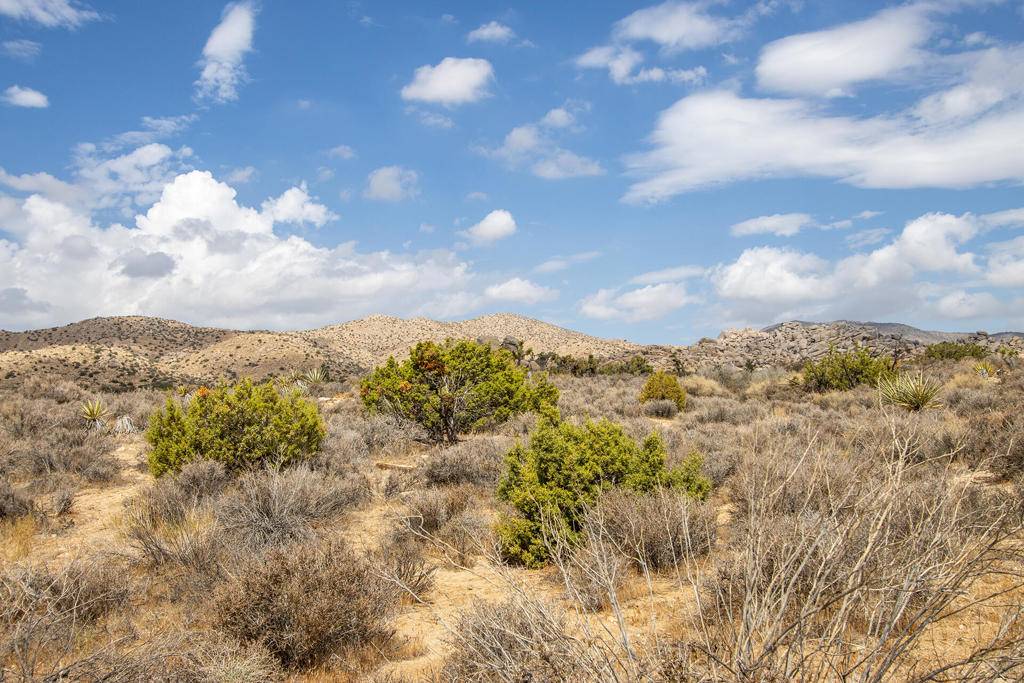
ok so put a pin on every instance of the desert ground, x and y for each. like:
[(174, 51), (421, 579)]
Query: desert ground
[(842, 536)]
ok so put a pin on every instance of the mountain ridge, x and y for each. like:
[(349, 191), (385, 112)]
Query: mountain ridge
[(121, 352)]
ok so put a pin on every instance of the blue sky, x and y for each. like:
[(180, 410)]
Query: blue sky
[(656, 172)]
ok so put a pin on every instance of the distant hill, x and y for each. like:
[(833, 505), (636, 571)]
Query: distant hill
[(906, 331), (133, 351)]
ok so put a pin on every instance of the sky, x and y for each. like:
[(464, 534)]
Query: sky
[(653, 172)]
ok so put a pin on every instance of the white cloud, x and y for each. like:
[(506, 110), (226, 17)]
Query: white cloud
[(827, 63), (451, 82), (392, 184), (674, 274), (622, 60), (496, 225), (242, 175), (223, 70), (536, 145), (491, 32), (964, 305), (553, 265), (520, 291), (1006, 264), (766, 283), (25, 50), (49, 13), (678, 26), (153, 129), (341, 152), (431, 118), (17, 96), (296, 206), (718, 137), (477, 197), (644, 303), (565, 164), (198, 255), (865, 238), (782, 224)]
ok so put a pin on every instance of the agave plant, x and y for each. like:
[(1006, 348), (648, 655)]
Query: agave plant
[(913, 392), (95, 414)]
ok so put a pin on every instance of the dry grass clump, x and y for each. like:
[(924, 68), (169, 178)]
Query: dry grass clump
[(401, 560), (664, 410), (306, 602), (13, 503), (274, 507), (838, 570), (611, 396), (724, 410), (478, 460), (655, 531), (44, 611), (521, 639)]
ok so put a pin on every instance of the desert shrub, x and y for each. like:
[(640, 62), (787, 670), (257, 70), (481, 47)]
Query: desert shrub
[(594, 573), (278, 507), (431, 509), (453, 388), (241, 426), (724, 409), (913, 392), (521, 639), (305, 602), (995, 440), (475, 461), (955, 351), (665, 410), (551, 482), (45, 611), (662, 386), (71, 450), (837, 371), (13, 503), (635, 365), (658, 530), (400, 558)]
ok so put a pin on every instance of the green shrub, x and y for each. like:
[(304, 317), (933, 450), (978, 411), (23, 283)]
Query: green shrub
[(636, 365), (552, 482), (955, 351), (837, 371), (662, 386), (242, 426), (913, 392), (455, 388)]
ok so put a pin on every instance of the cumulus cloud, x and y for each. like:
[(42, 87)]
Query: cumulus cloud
[(18, 96), (767, 284), (197, 254), (491, 32), (621, 61), (296, 206), (241, 175), (496, 225), (153, 129), (678, 26), (521, 291), (49, 13), (23, 49), (536, 145), (718, 137), (341, 152), (961, 304), (223, 67), (827, 63), (635, 305), (453, 81), (392, 184)]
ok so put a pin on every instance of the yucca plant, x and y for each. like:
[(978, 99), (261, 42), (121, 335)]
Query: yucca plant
[(95, 414), (311, 380), (913, 392), (985, 369)]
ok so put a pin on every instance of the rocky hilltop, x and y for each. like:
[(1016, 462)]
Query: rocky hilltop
[(131, 351)]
